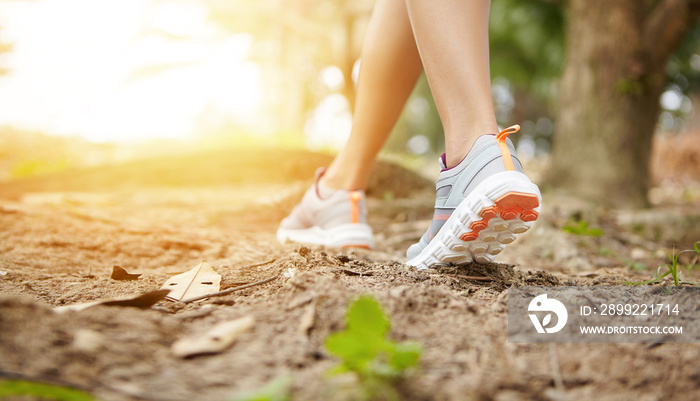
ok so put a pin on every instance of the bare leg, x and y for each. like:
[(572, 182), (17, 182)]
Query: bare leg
[(452, 37), (390, 67)]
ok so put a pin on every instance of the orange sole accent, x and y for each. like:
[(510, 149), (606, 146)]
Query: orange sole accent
[(466, 237), (509, 207)]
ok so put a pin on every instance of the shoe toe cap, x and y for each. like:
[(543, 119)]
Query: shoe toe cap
[(413, 251)]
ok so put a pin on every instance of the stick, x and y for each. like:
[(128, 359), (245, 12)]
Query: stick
[(230, 290), (258, 264), (475, 278), (353, 273)]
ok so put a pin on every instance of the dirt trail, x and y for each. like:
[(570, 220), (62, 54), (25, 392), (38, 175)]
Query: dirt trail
[(58, 248)]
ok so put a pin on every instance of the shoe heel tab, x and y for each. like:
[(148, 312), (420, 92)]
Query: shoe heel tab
[(503, 146)]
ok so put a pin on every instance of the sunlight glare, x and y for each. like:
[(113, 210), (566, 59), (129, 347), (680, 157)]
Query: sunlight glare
[(332, 77), (330, 124), (112, 70)]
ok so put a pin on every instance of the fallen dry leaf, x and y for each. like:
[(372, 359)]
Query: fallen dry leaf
[(202, 280), (229, 290), (140, 301), (118, 273), (219, 338)]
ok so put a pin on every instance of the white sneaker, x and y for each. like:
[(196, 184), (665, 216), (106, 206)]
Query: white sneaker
[(481, 205), (334, 218)]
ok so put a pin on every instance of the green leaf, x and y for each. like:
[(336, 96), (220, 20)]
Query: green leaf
[(337, 370), (406, 355), (351, 346), (13, 388), (365, 350), (594, 232), (366, 317), (696, 246)]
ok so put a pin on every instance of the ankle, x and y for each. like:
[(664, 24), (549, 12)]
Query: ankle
[(456, 149), (334, 179)]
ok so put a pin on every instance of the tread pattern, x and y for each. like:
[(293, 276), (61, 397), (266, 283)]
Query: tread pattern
[(508, 207), (482, 231)]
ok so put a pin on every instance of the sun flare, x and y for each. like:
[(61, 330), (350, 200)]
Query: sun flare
[(124, 70)]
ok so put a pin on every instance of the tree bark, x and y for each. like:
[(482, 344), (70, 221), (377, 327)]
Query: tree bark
[(609, 96)]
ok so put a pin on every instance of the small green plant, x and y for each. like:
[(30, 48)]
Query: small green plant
[(581, 228), (11, 389), (365, 350), (671, 268), (276, 390)]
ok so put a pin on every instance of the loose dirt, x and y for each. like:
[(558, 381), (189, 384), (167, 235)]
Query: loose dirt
[(60, 236)]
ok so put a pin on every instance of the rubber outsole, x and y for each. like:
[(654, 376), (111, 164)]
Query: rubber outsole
[(491, 217)]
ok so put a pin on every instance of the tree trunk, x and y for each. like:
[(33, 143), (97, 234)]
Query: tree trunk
[(609, 98)]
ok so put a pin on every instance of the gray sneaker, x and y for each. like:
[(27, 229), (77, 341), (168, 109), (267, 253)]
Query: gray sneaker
[(334, 218), (481, 205)]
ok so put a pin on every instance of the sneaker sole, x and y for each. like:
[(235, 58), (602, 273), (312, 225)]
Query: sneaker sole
[(491, 217), (342, 236)]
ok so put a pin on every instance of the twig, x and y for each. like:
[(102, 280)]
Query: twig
[(258, 264), (230, 290), (475, 278), (353, 273)]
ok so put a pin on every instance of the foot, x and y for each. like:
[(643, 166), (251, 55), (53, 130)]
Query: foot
[(481, 205), (334, 218)]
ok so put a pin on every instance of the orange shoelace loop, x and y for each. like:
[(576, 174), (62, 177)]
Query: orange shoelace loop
[(503, 146), (355, 197)]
